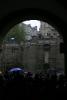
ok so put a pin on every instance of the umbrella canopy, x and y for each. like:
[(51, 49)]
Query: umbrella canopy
[(15, 70)]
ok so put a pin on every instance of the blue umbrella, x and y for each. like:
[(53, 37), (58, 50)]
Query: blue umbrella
[(15, 70)]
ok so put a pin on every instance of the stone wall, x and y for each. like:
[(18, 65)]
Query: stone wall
[(32, 54)]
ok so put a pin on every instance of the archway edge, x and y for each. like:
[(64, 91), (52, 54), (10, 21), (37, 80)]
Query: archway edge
[(16, 17)]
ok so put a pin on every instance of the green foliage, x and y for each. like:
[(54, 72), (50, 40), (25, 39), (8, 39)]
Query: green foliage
[(16, 32)]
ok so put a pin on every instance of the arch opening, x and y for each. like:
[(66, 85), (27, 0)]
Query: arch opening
[(36, 48)]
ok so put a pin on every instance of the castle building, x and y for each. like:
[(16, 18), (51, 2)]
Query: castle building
[(39, 52)]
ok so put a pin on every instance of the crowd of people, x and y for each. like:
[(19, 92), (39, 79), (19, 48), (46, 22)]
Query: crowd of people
[(17, 85)]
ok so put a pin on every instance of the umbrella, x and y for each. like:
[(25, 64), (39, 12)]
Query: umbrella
[(15, 70)]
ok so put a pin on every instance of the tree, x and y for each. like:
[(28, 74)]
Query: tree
[(16, 32)]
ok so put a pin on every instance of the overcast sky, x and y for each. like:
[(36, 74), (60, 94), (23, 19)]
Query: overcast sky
[(33, 23)]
